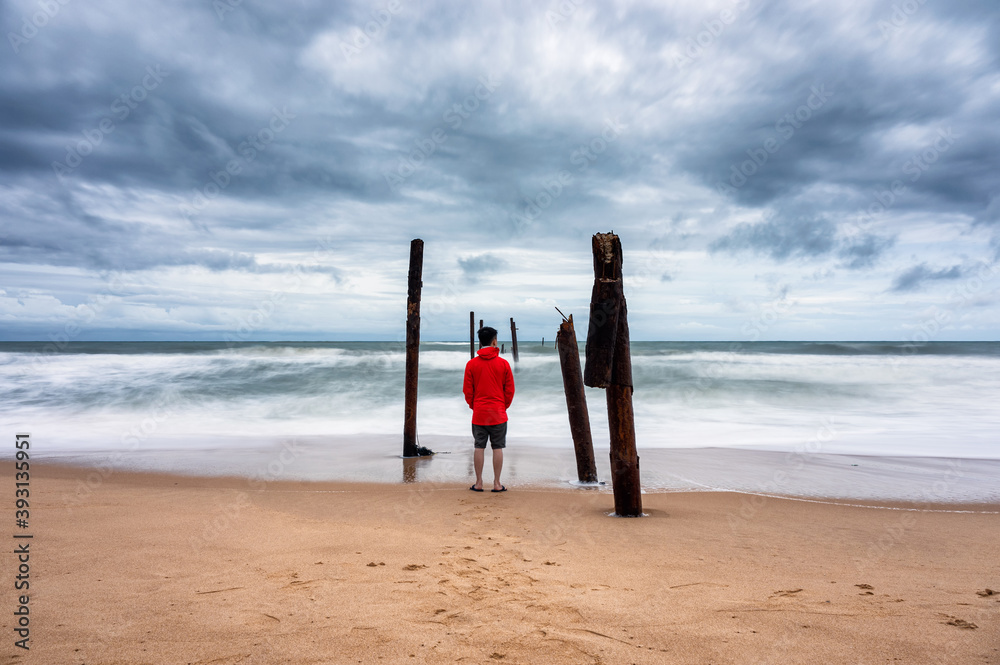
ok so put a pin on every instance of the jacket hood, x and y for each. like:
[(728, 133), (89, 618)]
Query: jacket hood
[(489, 352)]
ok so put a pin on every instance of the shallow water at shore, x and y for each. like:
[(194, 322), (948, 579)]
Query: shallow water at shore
[(811, 474)]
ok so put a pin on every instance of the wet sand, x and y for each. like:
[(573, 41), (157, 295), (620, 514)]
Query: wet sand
[(157, 568), (808, 471)]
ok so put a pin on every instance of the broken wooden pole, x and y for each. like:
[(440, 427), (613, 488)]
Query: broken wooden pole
[(513, 338), (472, 335), (576, 401), (609, 365), (414, 284)]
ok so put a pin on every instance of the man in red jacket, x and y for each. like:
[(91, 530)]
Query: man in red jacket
[(489, 390)]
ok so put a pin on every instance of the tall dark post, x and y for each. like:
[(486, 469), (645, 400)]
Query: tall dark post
[(412, 347), (480, 327), (576, 401), (609, 365), (513, 338), (472, 335)]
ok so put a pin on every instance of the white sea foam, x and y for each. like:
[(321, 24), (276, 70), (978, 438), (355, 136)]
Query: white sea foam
[(860, 399)]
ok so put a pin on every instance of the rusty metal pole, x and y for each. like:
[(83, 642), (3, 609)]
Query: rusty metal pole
[(513, 338), (576, 401), (472, 335), (609, 365), (414, 284)]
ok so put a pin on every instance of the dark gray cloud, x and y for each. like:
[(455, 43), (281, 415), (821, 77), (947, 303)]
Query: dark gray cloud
[(795, 238), (864, 251), (914, 278), (475, 267)]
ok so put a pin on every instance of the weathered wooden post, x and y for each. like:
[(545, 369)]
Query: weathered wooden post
[(480, 327), (412, 347), (609, 365), (576, 401), (472, 335), (513, 338)]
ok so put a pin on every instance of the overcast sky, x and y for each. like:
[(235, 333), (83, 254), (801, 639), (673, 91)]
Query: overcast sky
[(242, 169)]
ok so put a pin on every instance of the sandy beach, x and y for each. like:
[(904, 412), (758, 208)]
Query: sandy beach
[(156, 568)]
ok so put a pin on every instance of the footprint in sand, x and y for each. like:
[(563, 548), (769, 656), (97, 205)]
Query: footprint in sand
[(414, 566), (986, 593), (960, 623), (372, 564), (790, 592)]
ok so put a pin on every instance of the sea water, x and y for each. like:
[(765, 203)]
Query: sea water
[(874, 399)]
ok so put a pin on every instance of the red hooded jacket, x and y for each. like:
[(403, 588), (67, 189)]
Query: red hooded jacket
[(489, 387)]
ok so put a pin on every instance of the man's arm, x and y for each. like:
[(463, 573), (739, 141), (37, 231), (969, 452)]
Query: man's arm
[(467, 386), (508, 387)]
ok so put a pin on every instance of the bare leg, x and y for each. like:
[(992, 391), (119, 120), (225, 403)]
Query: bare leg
[(478, 459), (497, 466)]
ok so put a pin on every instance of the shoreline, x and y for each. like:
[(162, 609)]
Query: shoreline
[(842, 478), (89, 478), (152, 567)]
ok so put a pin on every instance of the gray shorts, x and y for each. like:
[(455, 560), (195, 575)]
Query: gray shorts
[(497, 434)]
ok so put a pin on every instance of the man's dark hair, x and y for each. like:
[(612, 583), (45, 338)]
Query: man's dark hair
[(487, 335)]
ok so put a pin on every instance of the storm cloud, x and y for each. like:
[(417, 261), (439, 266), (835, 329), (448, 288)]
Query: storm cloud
[(215, 154)]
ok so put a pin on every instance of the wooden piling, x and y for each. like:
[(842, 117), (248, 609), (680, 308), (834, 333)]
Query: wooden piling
[(480, 327), (513, 338), (414, 285), (609, 365), (472, 335), (576, 401)]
